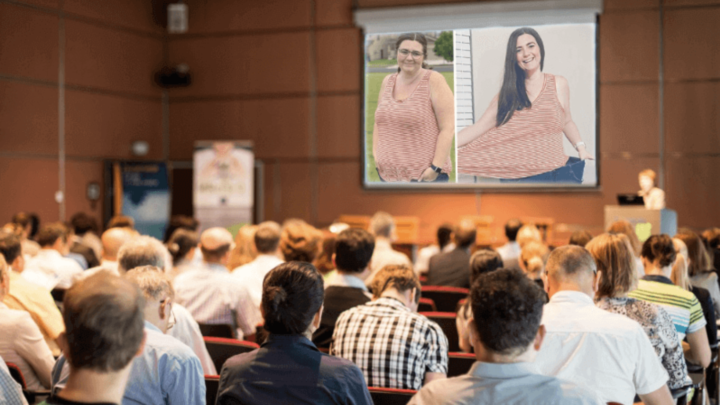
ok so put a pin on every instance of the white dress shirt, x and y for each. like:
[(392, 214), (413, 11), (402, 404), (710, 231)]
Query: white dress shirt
[(252, 275), (509, 251), (50, 270), (384, 255), (601, 351), (105, 265), (22, 343), (187, 331), (214, 296), (347, 280), (422, 263)]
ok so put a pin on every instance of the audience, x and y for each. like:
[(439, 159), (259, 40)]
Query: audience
[(604, 352), (483, 261), (510, 252), (112, 241), (49, 268), (24, 221), (382, 227), (29, 297), (243, 252), (507, 335), (121, 221), (300, 241), (699, 266), (658, 255), (616, 269), (288, 368), (323, 262), (10, 391), (452, 269), (679, 273), (21, 341), (210, 293), (528, 233), (393, 345), (83, 240), (267, 242), (712, 240), (532, 260), (180, 222), (625, 228), (444, 244), (182, 246), (104, 319), (580, 238), (346, 288)]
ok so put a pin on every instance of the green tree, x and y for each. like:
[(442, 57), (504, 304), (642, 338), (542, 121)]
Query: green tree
[(444, 46)]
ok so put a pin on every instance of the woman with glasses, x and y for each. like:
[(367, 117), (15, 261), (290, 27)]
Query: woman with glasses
[(415, 119)]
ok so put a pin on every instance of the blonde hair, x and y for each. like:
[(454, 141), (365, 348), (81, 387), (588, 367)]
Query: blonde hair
[(679, 274), (614, 259), (243, 252), (648, 173), (624, 227), (527, 234), (533, 257)]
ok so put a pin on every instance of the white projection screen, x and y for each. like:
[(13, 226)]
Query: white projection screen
[(492, 96)]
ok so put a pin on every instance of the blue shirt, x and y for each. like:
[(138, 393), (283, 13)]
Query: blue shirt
[(290, 369)]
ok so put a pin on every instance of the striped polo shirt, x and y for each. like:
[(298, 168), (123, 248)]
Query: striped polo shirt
[(682, 305)]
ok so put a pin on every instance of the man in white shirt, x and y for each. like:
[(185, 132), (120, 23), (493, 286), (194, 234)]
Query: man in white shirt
[(382, 227), (211, 293), (49, 268), (593, 348), (510, 252), (445, 244), (267, 241), (112, 240)]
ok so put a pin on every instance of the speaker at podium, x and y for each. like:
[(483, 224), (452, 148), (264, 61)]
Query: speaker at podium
[(646, 222)]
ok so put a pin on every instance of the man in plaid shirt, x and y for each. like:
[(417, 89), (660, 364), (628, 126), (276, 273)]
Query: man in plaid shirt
[(393, 345)]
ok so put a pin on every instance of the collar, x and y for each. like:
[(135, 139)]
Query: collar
[(383, 244), (217, 267), (152, 327), (288, 340), (50, 253), (389, 302), (657, 278), (449, 247), (573, 297), (266, 258), (108, 263), (345, 280), (502, 370)]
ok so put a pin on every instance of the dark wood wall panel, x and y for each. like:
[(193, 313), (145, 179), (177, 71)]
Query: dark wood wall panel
[(28, 118)]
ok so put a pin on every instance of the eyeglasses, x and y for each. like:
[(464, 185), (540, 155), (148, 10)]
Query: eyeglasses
[(406, 52)]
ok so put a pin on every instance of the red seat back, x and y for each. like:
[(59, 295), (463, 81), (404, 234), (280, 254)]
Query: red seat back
[(221, 349), (426, 305), (17, 375), (446, 321), (221, 330), (212, 383), (445, 298), (390, 396)]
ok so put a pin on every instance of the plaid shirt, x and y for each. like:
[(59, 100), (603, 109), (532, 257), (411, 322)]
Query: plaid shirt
[(393, 346)]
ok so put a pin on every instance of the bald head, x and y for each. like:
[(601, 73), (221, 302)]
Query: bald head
[(465, 233), (571, 268), (215, 244), (112, 240)]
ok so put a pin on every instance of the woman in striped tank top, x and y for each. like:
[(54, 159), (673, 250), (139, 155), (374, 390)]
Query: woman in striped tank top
[(415, 118), (519, 137)]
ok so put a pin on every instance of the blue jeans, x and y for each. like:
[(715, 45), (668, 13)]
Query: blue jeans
[(572, 172), (441, 178)]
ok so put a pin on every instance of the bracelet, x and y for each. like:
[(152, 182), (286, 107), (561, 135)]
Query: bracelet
[(577, 145), (435, 168)]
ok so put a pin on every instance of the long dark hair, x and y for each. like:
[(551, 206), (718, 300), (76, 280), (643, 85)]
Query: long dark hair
[(417, 37), (513, 95)]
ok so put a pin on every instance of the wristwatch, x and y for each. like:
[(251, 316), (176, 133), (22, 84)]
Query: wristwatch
[(577, 145), (435, 168)]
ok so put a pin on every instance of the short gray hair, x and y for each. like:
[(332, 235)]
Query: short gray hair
[(142, 251), (152, 282), (382, 224)]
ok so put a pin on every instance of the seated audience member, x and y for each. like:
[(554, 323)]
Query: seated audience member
[(323, 262), (82, 230), (243, 252), (267, 242), (112, 241), (288, 368), (506, 334), (210, 293), (382, 227), (452, 269), (299, 241), (658, 254), (712, 242), (580, 238), (414, 349), (510, 252), (29, 297), (346, 289), (182, 246), (49, 268), (444, 244), (616, 269), (121, 221), (679, 273), (532, 261), (699, 266), (528, 233), (30, 248), (601, 351), (625, 228), (10, 391), (483, 261), (180, 222), (21, 341), (104, 318), (148, 251)]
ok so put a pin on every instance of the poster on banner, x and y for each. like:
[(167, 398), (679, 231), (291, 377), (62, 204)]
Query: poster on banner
[(146, 196), (223, 183)]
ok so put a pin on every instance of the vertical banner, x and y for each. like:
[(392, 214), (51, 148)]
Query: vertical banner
[(145, 196), (223, 189)]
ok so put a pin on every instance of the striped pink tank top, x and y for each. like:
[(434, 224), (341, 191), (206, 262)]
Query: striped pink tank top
[(530, 143), (407, 133)]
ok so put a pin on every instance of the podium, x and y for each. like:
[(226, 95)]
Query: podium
[(646, 222)]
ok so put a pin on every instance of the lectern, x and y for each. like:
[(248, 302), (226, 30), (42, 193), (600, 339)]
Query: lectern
[(646, 222)]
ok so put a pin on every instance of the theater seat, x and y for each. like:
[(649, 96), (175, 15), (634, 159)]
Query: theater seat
[(445, 298), (221, 349), (212, 383), (426, 305), (17, 375), (221, 330), (459, 363), (390, 396), (446, 321)]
